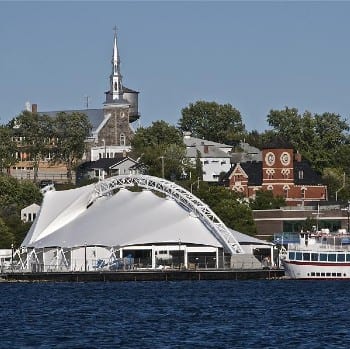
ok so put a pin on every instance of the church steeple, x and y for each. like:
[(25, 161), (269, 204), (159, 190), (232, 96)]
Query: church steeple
[(116, 85)]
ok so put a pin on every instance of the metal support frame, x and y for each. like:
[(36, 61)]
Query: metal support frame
[(182, 196)]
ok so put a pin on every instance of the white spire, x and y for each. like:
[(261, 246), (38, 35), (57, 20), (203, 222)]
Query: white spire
[(116, 86)]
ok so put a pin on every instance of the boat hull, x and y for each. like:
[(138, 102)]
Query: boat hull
[(316, 270)]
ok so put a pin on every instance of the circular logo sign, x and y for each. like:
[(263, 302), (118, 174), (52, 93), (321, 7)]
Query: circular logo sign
[(270, 158), (285, 159)]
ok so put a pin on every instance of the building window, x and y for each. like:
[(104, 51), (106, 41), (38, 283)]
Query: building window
[(122, 139), (301, 174)]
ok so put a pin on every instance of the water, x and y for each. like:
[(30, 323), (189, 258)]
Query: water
[(197, 314)]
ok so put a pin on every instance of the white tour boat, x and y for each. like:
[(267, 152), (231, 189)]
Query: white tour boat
[(318, 256)]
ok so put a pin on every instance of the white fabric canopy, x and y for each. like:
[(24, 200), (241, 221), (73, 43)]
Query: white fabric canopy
[(124, 219)]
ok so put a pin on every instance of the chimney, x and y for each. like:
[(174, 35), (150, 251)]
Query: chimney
[(34, 108), (297, 157), (206, 150), (124, 153)]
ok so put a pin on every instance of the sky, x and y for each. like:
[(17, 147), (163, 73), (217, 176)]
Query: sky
[(256, 56)]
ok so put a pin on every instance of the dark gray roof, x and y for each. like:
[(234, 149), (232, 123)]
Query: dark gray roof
[(309, 176), (95, 116), (253, 169)]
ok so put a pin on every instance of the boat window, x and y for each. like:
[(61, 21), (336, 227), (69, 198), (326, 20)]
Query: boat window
[(328, 274), (292, 255), (314, 257), (334, 274), (306, 256), (322, 274), (317, 274), (332, 257), (341, 257), (313, 274), (348, 257), (298, 256), (323, 257)]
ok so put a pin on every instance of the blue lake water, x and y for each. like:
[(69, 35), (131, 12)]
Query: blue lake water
[(185, 314)]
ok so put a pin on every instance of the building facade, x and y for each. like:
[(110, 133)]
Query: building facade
[(282, 172)]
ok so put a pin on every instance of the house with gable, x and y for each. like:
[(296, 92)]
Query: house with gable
[(214, 157)]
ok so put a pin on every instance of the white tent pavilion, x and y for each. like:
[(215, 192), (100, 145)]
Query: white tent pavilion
[(93, 228)]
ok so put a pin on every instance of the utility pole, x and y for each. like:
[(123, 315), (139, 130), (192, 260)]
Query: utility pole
[(162, 158)]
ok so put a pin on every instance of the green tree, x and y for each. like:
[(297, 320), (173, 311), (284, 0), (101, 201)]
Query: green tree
[(161, 149), (6, 237), (14, 196), (319, 138), (7, 149), (264, 200), (229, 206), (212, 121), (17, 193), (71, 131), (35, 131)]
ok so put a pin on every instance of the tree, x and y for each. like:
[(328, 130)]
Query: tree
[(71, 131), (6, 237), (161, 149), (35, 131), (335, 179), (15, 195), (7, 148), (264, 200), (229, 206), (215, 122), (319, 137)]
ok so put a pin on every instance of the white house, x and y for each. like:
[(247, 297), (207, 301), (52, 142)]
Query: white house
[(215, 157), (29, 213)]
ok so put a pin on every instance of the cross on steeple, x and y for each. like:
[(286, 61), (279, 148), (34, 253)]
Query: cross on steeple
[(115, 30)]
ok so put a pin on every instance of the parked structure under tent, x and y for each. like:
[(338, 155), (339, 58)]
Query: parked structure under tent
[(124, 222)]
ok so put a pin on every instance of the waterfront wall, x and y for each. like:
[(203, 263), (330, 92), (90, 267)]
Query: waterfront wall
[(173, 275)]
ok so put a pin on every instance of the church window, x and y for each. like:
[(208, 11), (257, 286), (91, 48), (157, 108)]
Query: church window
[(122, 139), (301, 174)]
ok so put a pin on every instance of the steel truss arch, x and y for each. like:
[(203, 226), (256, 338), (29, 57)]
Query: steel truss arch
[(180, 195)]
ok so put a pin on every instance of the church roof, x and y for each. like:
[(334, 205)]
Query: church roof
[(95, 116)]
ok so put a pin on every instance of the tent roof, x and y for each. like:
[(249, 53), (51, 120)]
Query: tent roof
[(124, 219)]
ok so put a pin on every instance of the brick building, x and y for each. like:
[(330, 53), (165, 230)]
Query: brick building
[(282, 172)]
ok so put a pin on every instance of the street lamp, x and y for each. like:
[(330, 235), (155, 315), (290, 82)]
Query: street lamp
[(348, 212), (179, 254), (197, 181), (347, 209), (12, 257), (162, 158), (85, 261), (104, 146)]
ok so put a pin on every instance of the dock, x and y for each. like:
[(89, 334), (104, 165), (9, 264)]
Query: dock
[(137, 275)]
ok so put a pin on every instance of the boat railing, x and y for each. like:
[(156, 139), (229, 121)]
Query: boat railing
[(318, 247)]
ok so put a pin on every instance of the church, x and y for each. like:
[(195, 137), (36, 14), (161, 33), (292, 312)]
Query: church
[(111, 132)]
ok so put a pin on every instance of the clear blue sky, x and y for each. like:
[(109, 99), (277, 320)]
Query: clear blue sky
[(256, 56)]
